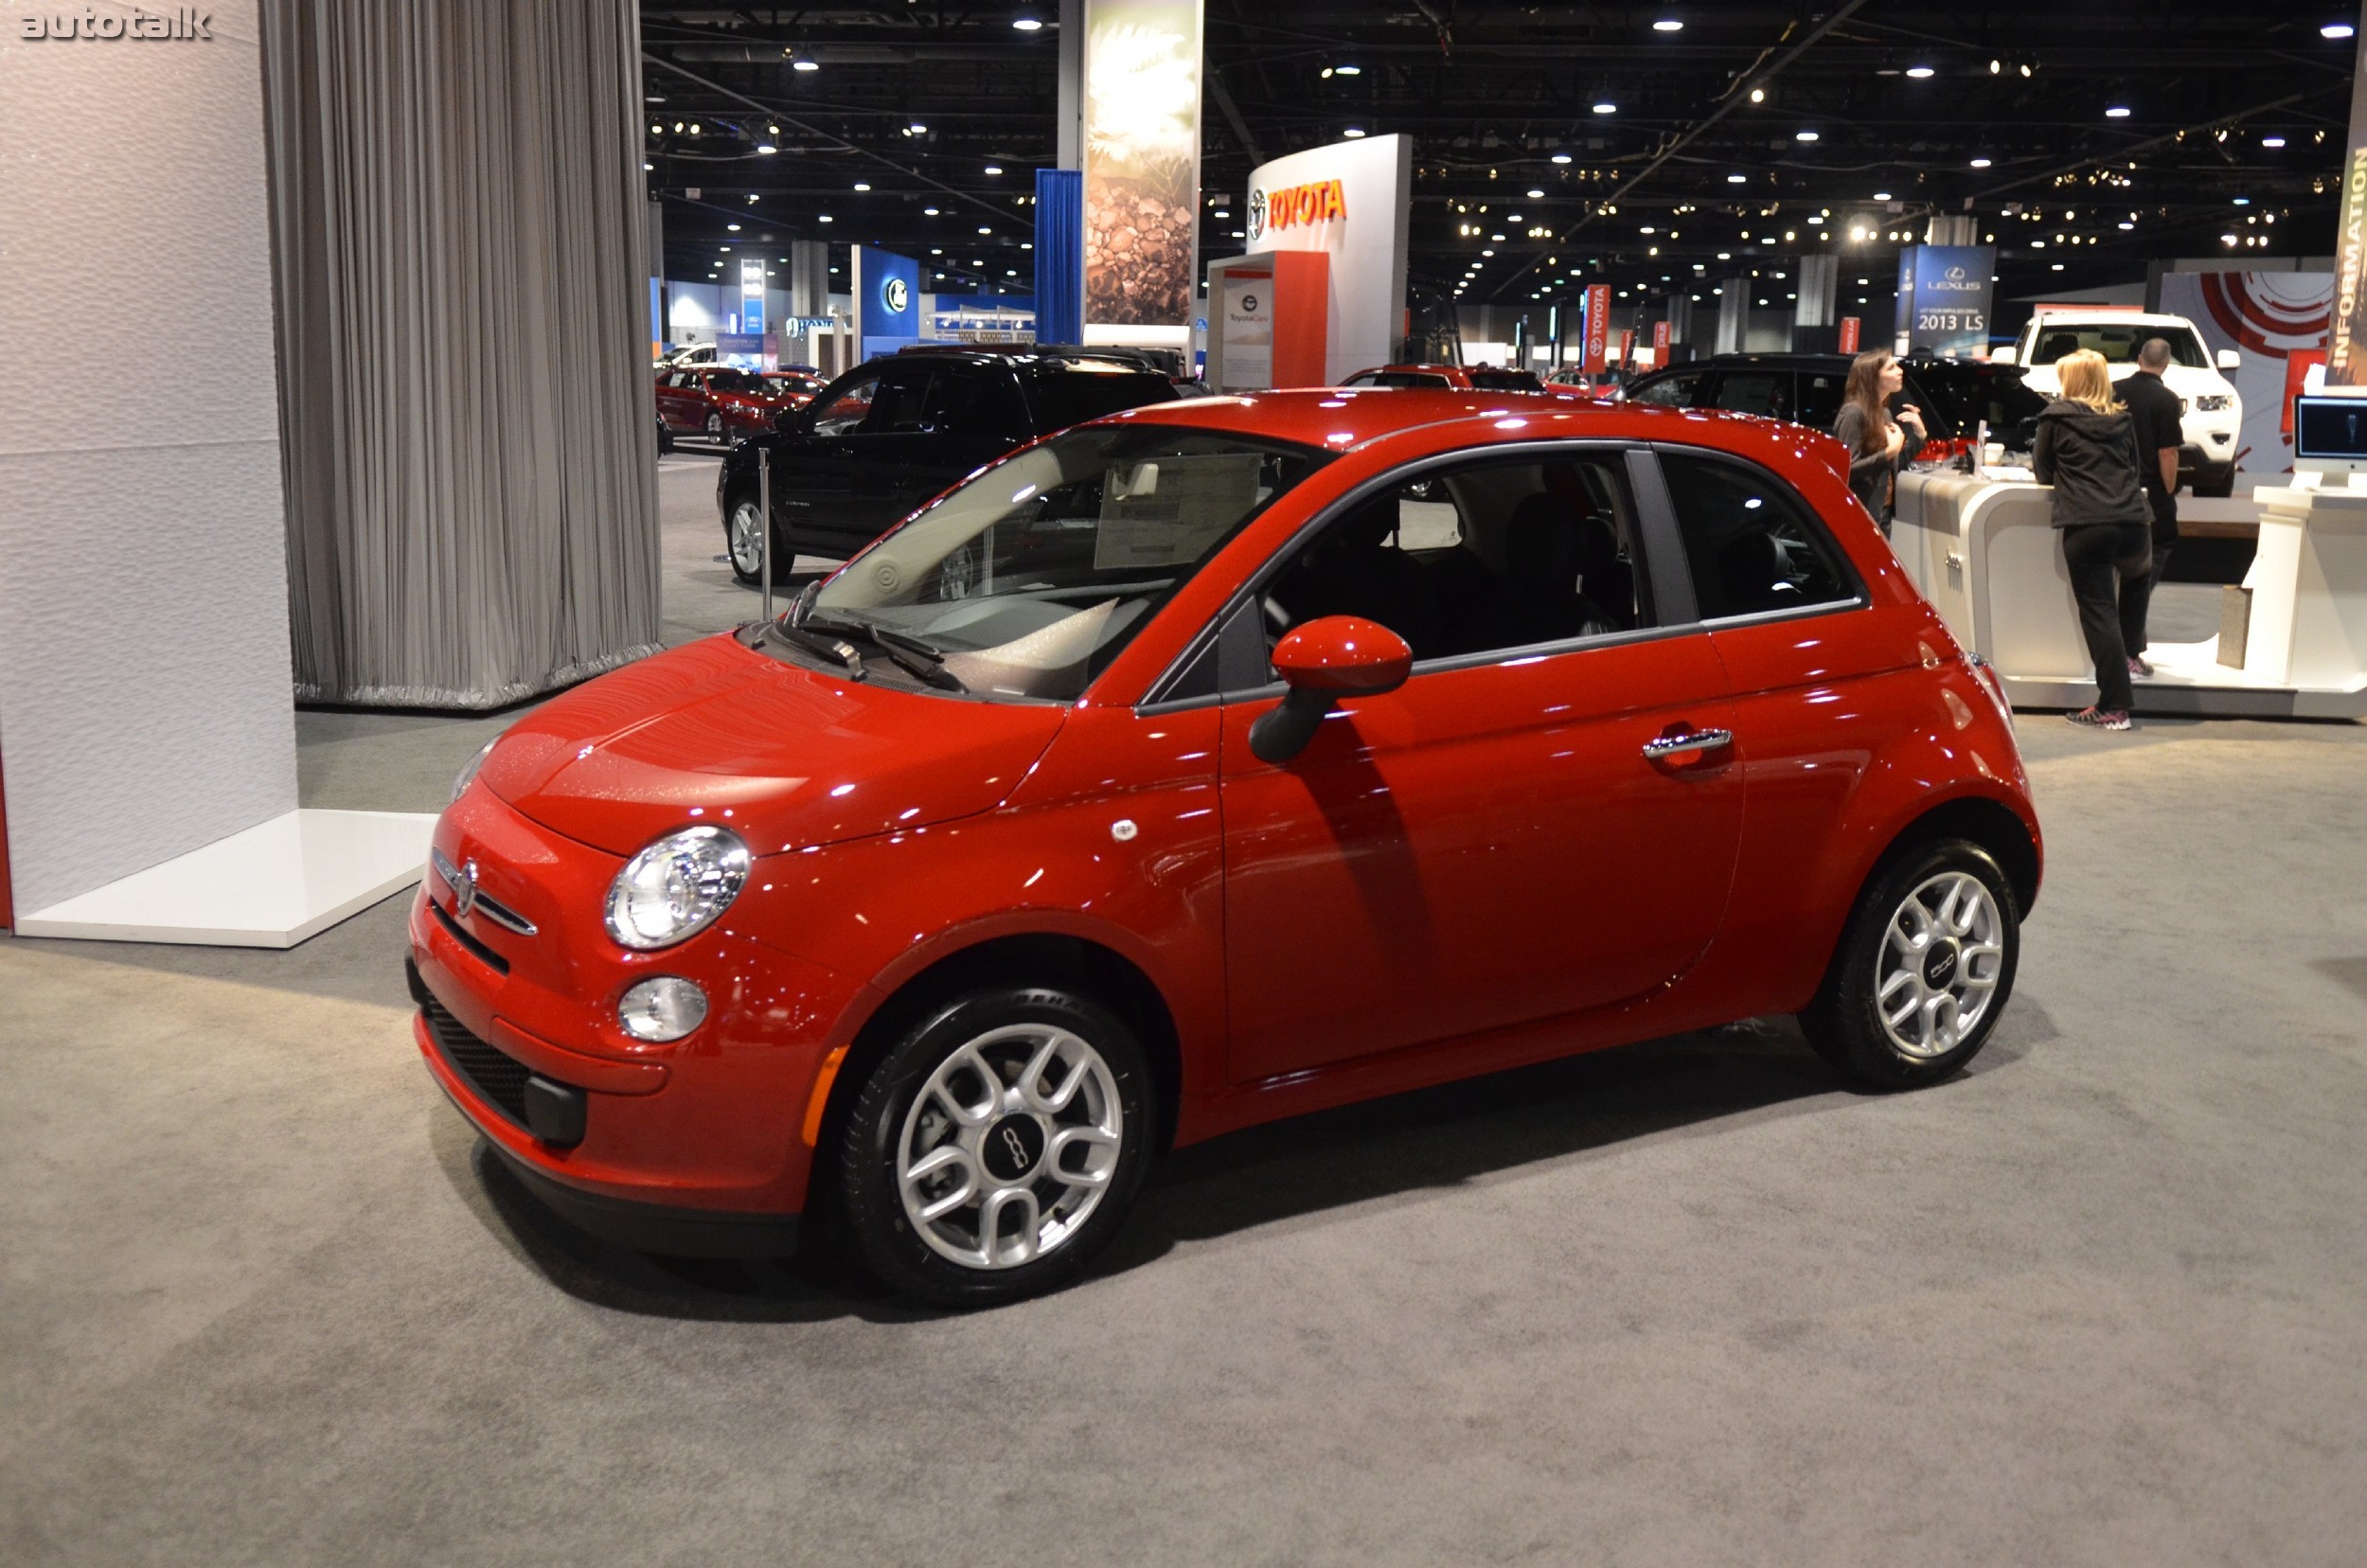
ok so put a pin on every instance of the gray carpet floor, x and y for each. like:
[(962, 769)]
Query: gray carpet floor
[(2103, 1299)]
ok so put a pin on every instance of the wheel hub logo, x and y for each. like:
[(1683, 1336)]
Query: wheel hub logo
[(1016, 1145)]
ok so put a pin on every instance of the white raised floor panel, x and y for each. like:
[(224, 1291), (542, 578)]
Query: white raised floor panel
[(270, 886)]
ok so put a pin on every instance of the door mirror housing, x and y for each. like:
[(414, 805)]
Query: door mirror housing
[(2230, 359), (1323, 662), (2007, 355)]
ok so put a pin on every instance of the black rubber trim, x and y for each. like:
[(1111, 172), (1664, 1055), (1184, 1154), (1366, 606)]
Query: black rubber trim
[(659, 1227), (477, 949)]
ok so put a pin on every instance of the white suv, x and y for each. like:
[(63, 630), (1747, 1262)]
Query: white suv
[(2213, 413)]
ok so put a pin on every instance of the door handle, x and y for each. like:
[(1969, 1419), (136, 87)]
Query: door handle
[(1692, 741)]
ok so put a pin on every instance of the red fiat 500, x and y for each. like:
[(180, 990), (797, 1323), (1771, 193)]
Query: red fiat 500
[(1206, 764)]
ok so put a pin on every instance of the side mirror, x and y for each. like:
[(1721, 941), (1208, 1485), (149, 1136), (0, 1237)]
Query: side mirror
[(1323, 662), (2230, 359), (2008, 355)]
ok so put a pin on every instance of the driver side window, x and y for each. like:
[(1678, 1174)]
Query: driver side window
[(847, 408), (1486, 556)]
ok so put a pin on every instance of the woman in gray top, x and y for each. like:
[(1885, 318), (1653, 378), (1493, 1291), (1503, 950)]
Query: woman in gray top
[(1878, 445)]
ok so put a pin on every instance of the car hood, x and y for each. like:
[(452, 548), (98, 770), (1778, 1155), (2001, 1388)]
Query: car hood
[(784, 756)]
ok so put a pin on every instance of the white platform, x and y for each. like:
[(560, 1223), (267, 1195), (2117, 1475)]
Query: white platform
[(271, 886)]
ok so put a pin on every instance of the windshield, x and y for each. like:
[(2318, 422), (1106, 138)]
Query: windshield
[(1027, 580), (1506, 381), (2118, 342)]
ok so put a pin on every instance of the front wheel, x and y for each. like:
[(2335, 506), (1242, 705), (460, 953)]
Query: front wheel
[(744, 541), (1923, 970), (997, 1146), (715, 427)]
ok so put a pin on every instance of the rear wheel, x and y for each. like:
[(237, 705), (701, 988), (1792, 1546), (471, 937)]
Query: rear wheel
[(1923, 970), (996, 1147)]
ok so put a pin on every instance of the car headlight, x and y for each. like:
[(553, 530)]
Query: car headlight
[(2214, 403), (468, 769), (676, 888)]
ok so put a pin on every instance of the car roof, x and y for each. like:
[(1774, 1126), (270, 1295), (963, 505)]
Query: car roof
[(1345, 419), (1023, 356), (2134, 318), (1822, 362)]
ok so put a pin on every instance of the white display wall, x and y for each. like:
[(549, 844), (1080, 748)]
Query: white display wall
[(1367, 240), (2265, 316), (144, 659)]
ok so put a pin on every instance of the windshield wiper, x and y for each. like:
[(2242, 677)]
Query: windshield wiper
[(915, 656), (845, 655)]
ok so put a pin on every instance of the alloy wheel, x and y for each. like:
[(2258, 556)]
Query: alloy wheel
[(1010, 1146), (747, 540), (715, 427), (1937, 969)]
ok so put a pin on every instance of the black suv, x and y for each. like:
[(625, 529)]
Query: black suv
[(1956, 395), (888, 436)]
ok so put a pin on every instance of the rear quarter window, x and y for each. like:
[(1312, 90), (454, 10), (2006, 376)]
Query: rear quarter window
[(1753, 544)]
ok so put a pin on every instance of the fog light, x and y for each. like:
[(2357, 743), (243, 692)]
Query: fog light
[(665, 1009)]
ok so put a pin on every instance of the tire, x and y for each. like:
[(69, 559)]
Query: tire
[(1952, 892), (715, 428), (929, 1128), (743, 544), (665, 437)]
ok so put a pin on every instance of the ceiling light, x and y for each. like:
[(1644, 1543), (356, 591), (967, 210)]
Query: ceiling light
[(1533, 196), (765, 147), (1758, 94), (2117, 111), (1024, 23), (1348, 70), (1564, 157), (734, 227), (862, 185), (1919, 72), (1352, 133), (2025, 68), (1737, 179), (826, 218), (919, 129), (1668, 24), (1994, 67), (1607, 107), (2272, 141), (1804, 136), (930, 212), (804, 65), (1881, 195), (2337, 29), (1980, 163)]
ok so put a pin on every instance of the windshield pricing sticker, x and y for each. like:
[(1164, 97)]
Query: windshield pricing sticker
[(1170, 511)]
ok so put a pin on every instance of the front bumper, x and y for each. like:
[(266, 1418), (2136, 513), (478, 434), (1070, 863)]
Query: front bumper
[(698, 1141)]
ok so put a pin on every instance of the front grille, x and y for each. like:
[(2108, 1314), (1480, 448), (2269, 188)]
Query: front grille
[(496, 1075)]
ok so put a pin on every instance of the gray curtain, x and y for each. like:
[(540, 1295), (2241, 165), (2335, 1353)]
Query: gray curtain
[(458, 214)]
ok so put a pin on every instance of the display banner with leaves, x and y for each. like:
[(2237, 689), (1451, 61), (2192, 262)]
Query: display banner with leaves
[(1142, 161)]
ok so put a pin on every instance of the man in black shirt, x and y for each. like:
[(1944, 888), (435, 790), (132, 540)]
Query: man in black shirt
[(2154, 410)]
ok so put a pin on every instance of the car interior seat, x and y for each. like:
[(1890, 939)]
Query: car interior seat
[(1750, 567), (2054, 346), (1354, 570), (1537, 597)]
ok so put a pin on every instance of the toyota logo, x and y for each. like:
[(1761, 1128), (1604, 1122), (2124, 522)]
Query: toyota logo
[(1256, 214), (894, 295)]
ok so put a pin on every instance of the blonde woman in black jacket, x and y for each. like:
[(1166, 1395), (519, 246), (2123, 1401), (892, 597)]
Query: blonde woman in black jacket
[(2087, 449)]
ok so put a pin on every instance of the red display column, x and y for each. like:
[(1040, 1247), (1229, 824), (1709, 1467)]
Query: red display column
[(1302, 316)]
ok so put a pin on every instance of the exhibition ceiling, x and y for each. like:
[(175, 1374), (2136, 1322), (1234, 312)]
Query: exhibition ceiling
[(1554, 145)]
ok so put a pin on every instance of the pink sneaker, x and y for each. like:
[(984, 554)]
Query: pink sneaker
[(2103, 719), (2139, 667)]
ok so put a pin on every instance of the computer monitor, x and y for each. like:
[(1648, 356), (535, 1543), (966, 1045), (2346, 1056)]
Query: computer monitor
[(2330, 434)]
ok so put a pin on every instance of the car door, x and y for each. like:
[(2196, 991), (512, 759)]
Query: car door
[(1814, 671), (893, 462), (1493, 842), (671, 399), (813, 468), (974, 414)]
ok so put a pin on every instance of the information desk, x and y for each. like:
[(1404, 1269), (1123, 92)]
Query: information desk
[(1984, 553)]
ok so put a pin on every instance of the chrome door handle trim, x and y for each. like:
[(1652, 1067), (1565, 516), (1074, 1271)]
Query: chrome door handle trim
[(1692, 741)]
